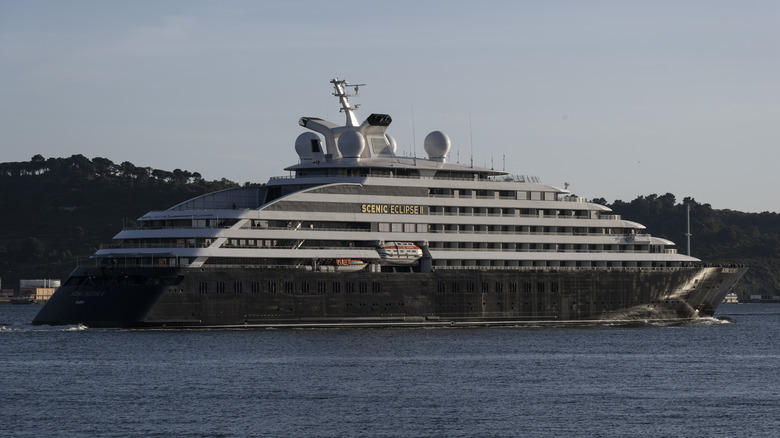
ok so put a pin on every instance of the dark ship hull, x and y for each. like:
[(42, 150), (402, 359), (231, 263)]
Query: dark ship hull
[(256, 297)]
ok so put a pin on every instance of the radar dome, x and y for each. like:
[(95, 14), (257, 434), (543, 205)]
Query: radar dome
[(307, 144), (351, 144), (437, 145), (391, 141)]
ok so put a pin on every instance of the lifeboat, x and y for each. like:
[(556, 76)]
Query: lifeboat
[(347, 265), (399, 253)]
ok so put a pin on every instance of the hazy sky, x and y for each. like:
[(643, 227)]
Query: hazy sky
[(617, 98)]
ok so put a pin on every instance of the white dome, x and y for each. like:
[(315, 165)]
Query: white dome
[(351, 144), (304, 146), (437, 145), (391, 141)]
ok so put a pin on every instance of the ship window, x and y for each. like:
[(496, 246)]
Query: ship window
[(336, 287), (485, 287), (220, 287), (499, 287), (271, 287), (254, 287), (396, 228), (440, 192), (512, 286), (470, 286), (304, 287), (362, 287), (203, 287), (440, 287), (540, 287), (455, 287), (321, 287), (238, 287), (526, 287), (385, 227), (75, 281), (350, 287), (288, 287), (376, 287), (554, 287), (379, 146), (409, 228)]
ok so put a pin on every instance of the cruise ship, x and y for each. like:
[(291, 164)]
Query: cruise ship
[(359, 236)]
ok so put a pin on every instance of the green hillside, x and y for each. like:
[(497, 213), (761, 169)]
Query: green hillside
[(718, 236), (57, 210)]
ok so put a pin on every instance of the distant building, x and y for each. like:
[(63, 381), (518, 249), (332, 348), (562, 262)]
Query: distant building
[(6, 295), (39, 290), (763, 298)]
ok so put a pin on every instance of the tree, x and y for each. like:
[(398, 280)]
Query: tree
[(103, 166), (128, 169), (32, 248)]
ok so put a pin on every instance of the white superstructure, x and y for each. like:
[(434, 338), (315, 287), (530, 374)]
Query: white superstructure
[(350, 196)]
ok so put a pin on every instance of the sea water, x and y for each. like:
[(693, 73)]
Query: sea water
[(711, 377)]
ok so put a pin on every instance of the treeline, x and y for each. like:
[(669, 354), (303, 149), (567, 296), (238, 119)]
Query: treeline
[(57, 210), (717, 236)]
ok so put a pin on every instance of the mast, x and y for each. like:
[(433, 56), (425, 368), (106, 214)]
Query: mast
[(340, 86), (688, 228)]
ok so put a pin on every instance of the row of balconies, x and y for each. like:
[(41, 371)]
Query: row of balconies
[(554, 264), (542, 247), (447, 246), (519, 213), (439, 192)]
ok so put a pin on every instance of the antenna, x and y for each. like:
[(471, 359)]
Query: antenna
[(688, 228), (471, 140), (414, 137)]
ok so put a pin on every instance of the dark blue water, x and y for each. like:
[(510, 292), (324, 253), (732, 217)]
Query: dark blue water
[(709, 378)]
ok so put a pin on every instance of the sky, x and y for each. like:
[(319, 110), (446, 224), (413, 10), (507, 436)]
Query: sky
[(616, 98)]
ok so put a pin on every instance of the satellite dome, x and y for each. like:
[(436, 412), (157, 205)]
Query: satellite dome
[(391, 141), (437, 145), (351, 144), (307, 144)]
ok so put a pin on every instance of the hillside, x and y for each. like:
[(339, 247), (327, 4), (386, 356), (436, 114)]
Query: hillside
[(718, 236), (58, 210)]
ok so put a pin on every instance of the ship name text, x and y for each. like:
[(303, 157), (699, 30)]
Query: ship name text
[(392, 209)]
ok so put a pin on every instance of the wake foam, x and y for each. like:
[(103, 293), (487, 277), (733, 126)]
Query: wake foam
[(26, 328)]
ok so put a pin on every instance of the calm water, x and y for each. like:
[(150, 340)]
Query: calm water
[(709, 378)]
